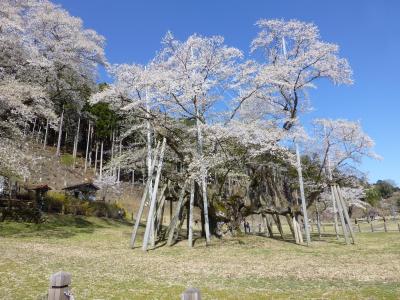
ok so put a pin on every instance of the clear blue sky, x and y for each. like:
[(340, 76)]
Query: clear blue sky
[(368, 32)]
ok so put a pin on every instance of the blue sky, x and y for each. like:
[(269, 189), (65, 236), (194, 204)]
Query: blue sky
[(368, 33)]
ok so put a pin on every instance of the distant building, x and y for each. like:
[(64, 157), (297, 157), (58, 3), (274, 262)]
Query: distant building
[(83, 191)]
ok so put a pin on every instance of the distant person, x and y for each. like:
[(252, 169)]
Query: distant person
[(248, 227)]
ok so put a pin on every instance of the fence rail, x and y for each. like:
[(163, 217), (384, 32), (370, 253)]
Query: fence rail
[(380, 225)]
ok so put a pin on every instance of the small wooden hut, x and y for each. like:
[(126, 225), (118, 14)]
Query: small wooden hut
[(38, 191), (83, 191)]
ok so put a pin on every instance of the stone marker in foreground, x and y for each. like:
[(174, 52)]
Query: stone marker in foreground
[(191, 294), (60, 286)]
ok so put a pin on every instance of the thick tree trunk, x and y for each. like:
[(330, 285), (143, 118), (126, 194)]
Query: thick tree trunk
[(66, 140), (38, 134), (203, 177), (175, 218), (95, 158), (101, 160), (60, 126), (34, 127), (158, 214), (45, 134), (24, 132)]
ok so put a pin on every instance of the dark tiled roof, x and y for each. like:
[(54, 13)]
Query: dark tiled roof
[(37, 187), (86, 185)]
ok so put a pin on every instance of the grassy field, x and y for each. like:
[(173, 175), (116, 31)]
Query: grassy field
[(96, 252)]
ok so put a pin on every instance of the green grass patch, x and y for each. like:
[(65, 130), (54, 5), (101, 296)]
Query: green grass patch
[(67, 160)]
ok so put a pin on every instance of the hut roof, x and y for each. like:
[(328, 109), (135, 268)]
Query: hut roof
[(82, 186), (38, 187)]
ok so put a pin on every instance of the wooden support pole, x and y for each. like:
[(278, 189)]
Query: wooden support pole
[(191, 206), (150, 220), (346, 214), (143, 201), (291, 226), (299, 233), (372, 227), (269, 226), (335, 214), (303, 199), (296, 231), (340, 209), (157, 216), (279, 225), (384, 225), (181, 221)]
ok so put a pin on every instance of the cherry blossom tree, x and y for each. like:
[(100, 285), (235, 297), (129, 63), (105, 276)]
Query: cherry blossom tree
[(342, 144), (295, 59), (196, 72)]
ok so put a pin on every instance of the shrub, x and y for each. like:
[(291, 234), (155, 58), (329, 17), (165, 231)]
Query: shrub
[(102, 209), (57, 202), (54, 201), (67, 160)]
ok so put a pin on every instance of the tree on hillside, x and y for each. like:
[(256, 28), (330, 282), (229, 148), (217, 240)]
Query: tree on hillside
[(48, 63)]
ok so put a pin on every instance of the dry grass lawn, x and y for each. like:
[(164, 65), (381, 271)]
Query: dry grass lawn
[(96, 252)]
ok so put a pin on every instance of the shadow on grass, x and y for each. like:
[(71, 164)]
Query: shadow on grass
[(57, 226)]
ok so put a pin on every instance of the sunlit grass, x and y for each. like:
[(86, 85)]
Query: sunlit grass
[(96, 252)]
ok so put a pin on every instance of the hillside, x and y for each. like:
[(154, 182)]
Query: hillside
[(56, 172)]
